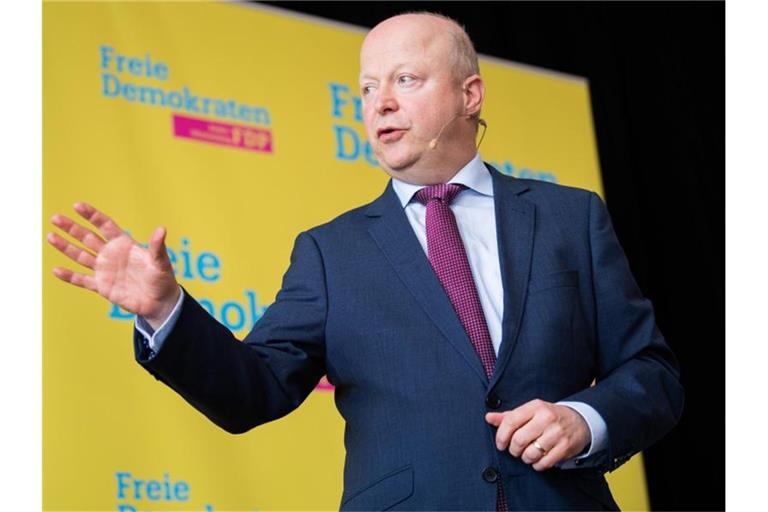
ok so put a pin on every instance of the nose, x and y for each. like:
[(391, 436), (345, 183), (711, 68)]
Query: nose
[(385, 100)]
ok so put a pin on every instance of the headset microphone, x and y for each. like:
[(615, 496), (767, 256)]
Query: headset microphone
[(480, 121), (433, 142)]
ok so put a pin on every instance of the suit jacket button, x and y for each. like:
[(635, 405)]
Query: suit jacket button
[(493, 401), (490, 474), (578, 462)]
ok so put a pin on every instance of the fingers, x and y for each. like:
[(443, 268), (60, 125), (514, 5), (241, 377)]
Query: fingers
[(532, 454), (74, 253), (526, 434), (537, 433), (508, 422), (75, 278), (105, 225), (509, 425), (543, 445), (494, 418), (90, 239), (552, 456), (157, 246)]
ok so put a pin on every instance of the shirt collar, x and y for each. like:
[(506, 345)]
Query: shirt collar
[(474, 176)]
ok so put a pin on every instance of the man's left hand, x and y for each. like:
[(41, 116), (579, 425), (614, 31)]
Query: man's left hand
[(541, 433)]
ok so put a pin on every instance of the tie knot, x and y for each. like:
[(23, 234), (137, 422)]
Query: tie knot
[(445, 192)]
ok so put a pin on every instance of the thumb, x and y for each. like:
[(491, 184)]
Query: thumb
[(494, 418), (157, 245)]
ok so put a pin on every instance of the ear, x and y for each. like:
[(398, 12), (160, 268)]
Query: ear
[(474, 94)]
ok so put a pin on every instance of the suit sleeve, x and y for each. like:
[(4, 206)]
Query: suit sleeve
[(638, 391), (239, 385)]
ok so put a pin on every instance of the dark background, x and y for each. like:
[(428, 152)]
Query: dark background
[(657, 79)]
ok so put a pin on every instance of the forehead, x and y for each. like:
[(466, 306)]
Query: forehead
[(404, 42)]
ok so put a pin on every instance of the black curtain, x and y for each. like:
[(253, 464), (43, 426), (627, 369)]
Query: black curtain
[(657, 79)]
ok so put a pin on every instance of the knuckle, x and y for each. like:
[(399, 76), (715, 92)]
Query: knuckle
[(518, 438)]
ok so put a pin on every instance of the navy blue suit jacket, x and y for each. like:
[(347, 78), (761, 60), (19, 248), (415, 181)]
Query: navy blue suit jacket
[(361, 304)]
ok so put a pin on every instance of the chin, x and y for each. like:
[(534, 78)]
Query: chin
[(397, 163)]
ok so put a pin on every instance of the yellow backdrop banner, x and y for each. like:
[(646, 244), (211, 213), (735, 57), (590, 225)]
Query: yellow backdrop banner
[(210, 119)]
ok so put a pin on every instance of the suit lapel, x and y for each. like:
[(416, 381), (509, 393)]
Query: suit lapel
[(393, 234), (515, 219)]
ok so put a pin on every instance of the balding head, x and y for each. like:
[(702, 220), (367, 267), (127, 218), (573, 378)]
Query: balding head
[(462, 51)]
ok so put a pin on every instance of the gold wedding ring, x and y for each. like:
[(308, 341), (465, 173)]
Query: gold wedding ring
[(539, 447)]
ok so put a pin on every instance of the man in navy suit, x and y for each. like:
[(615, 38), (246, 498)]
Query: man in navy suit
[(580, 378)]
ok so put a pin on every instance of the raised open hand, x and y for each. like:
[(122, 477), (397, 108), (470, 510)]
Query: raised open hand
[(138, 280)]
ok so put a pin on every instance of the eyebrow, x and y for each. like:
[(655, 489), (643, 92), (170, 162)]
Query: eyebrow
[(394, 71)]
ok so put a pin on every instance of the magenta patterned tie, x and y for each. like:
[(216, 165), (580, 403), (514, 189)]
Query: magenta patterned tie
[(449, 261), (448, 258)]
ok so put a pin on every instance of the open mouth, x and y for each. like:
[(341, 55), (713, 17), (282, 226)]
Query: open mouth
[(389, 134)]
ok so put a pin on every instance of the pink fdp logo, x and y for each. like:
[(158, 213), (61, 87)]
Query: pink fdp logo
[(224, 134), (324, 385)]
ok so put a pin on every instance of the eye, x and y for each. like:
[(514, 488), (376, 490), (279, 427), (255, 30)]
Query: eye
[(366, 89), (405, 80)]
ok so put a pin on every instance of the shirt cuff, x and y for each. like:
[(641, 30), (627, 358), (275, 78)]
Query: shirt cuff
[(598, 431), (156, 338)]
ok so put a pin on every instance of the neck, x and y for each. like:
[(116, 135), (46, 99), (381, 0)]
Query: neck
[(434, 175)]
